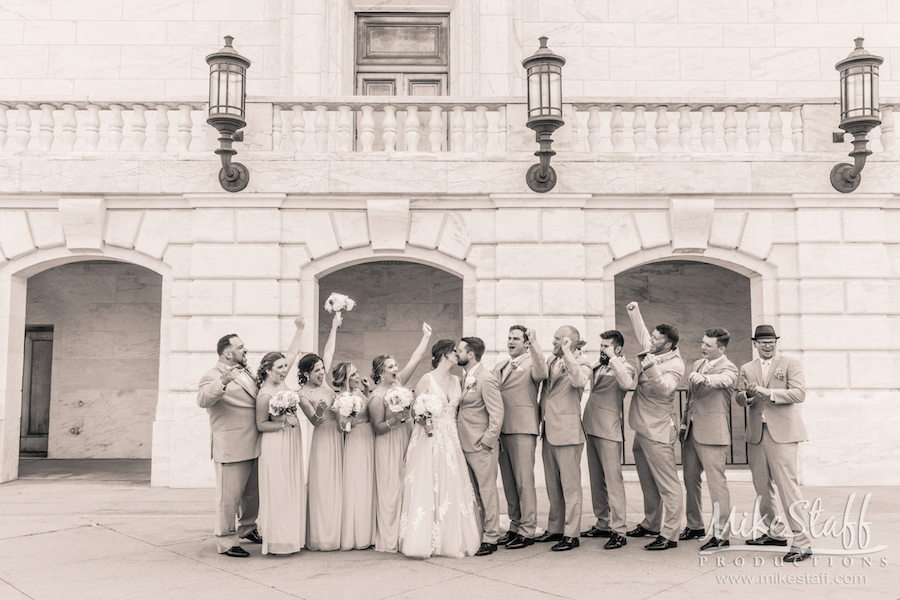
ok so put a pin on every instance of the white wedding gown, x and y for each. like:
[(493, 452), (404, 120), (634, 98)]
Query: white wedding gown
[(438, 514)]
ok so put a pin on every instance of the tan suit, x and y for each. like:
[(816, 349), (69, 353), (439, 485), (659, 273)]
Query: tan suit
[(479, 420), (652, 416), (564, 440), (774, 429), (519, 386), (602, 421), (707, 437), (235, 448)]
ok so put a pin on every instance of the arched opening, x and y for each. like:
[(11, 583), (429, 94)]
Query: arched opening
[(693, 296), (90, 376)]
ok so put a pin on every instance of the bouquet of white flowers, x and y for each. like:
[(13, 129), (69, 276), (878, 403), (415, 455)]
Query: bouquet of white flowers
[(398, 399), (338, 302), (284, 402), (347, 405), (428, 406)]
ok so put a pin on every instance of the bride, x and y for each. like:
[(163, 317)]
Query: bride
[(438, 514)]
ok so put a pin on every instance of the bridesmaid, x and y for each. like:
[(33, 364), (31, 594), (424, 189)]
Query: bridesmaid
[(323, 525), (391, 440), (282, 485)]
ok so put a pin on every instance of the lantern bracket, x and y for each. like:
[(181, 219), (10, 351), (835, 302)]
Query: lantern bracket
[(541, 177), (846, 177)]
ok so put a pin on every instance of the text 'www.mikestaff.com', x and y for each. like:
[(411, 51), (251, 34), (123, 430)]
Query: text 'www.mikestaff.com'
[(794, 578)]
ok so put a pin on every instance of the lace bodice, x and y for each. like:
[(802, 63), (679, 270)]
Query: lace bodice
[(318, 394), (451, 404)]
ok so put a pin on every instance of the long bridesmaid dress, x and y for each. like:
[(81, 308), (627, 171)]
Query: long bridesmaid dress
[(323, 526), (282, 489), (358, 520), (390, 454)]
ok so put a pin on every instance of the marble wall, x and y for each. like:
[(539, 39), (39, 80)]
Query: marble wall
[(105, 374)]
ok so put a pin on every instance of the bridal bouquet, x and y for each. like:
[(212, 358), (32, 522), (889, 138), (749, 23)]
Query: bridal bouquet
[(347, 405), (338, 302), (284, 402), (426, 407), (398, 399)]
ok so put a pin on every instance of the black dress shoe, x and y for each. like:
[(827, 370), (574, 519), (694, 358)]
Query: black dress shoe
[(615, 541), (253, 537), (236, 551), (691, 534), (797, 554), (765, 540), (486, 549), (661, 543), (549, 537), (567, 543), (641, 531), (715, 542), (520, 541), (506, 538), (595, 532)]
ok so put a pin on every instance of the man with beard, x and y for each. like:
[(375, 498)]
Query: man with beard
[(520, 378), (228, 393)]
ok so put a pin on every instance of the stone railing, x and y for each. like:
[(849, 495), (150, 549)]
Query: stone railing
[(425, 125)]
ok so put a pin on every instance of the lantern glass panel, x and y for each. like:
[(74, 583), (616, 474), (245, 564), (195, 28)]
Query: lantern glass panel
[(534, 90), (545, 91), (556, 92)]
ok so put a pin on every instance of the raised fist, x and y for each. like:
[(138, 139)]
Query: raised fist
[(631, 306), (426, 329)]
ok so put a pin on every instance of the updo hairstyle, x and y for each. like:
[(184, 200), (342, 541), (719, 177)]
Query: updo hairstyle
[(305, 366), (441, 349), (378, 367), (265, 364)]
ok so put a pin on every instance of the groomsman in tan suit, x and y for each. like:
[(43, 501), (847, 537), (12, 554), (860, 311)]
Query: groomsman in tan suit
[(228, 393), (652, 417), (520, 378), (612, 378), (479, 420), (706, 434), (568, 373), (773, 387)]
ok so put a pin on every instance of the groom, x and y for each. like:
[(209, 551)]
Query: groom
[(479, 420)]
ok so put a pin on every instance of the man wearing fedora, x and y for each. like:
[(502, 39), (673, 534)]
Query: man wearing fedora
[(773, 387)]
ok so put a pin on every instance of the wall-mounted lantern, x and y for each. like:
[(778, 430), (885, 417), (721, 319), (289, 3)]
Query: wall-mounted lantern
[(544, 82), (227, 100)]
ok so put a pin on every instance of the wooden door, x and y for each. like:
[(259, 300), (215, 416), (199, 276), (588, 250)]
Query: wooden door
[(35, 426)]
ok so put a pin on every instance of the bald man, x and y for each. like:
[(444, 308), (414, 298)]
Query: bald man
[(568, 372)]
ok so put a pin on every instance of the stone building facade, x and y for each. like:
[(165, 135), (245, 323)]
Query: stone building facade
[(693, 177)]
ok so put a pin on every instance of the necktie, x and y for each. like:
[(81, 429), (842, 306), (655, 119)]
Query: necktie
[(765, 369)]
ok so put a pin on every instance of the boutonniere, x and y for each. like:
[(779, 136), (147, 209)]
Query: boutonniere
[(470, 382), (779, 374)]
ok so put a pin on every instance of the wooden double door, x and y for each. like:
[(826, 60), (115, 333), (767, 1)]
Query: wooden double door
[(38, 366)]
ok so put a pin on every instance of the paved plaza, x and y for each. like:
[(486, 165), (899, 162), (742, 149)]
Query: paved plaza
[(96, 529)]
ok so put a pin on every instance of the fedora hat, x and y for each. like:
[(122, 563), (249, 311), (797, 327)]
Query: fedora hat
[(764, 331)]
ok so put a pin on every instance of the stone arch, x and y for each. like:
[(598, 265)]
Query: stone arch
[(13, 288)]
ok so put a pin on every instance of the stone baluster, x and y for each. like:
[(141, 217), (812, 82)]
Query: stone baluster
[(69, 127), (4, 126), (138, 128), (684, 128), (47, 125), (185, 128), (707, 128), (662, 128), (578, 132), (276, 128), (730, 126), (617, 129), (92, 128), (436, 128), (593, 127), (458, 129), (640, 128), (776, 125), (501, 128), (345, 129), (23, 127), (389, 128), (298, 126), (116, 124), (887, 129), (367, 128), (796, 129), (412, 128), (481, 127), (161, 124), (321, 128), (753, 128)]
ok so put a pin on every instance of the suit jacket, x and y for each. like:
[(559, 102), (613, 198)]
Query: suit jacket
[(603, 413), (561, 400), (232, 415), (519, 391), (480, 413), (782, 412), (707, 409)]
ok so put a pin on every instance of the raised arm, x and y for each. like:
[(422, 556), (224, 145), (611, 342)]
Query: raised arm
[(579, 374), (623, 372), (637, 323), (294, 349), (417, 355), (212, 386), (538, 364), (664, 382), (328, 352)]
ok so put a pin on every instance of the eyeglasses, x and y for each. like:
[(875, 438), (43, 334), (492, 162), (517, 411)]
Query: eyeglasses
[(772, 343)]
